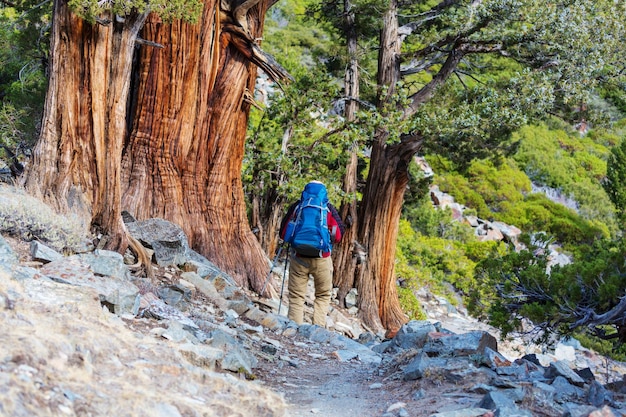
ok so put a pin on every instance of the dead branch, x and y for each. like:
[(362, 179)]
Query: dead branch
[(241, 40), (149, 43)]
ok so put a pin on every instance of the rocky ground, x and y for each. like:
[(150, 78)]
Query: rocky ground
[(320, 385), (65, 353)]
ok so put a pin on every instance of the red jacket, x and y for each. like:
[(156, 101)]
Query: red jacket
[(335, 225)]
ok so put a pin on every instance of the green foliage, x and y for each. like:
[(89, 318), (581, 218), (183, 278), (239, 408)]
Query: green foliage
[(441, 265), (548, 60), (603, 347), (571, 164), (556, 300), (475, 122), (431, 222), (23, 53), (502, 192), (11, 126), (299, 43), (487, 187), (539, 214), (189, 10), (293, 141), (330, 14), (575, 45), (410, 305), (615, 184), (557, 159), (615, 93)]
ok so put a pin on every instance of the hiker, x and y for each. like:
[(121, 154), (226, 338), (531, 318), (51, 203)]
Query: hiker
[(311, 226)]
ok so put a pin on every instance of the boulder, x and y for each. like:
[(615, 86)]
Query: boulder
[(466, 344)]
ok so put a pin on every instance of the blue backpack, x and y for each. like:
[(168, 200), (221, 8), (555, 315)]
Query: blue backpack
[(309, 235)]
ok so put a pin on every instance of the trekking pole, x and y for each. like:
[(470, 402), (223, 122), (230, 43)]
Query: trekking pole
[(280, 249), (282, 287)]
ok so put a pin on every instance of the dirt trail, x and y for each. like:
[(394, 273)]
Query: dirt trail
[(328, 389), (315, 383)]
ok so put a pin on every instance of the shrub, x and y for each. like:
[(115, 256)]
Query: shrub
[(443, 266), (29, 219)]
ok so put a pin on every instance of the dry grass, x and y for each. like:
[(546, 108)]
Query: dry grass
[(28, 218)]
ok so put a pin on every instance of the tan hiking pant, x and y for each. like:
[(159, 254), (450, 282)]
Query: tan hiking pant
[(322, 271)]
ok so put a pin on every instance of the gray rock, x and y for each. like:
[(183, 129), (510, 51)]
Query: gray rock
[(206, 287), (413, 334), (577, 410), (503, 383), (597, 395), (228, 288), (240, 306), (9, 264), (586, 374), (561, 368), (350, 347), (177, 332), (482, 389), (544, 391), (167, 239), (236, 358), (174, 295), (255, 314), (316, 333), (565, 391), (494, 359), (7, 256), (367, 338), (161, 311), (420, 365), (384, 347), (496, 399), (43, 253), (274, 322), (164, 410), (200, 355), (22, 273), (105, 263), (351, 298), (466, 344), (205, 268), (503, 403), (419, 394), (466, 412), (119, 295), (461, 369), (344, 355), (532, 358), (518, 372)]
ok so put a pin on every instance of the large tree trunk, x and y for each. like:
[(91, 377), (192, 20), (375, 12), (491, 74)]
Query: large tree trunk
[(186, 116), (76, 161), (380, 212), (184, 157), (345, 263), (381, 205)]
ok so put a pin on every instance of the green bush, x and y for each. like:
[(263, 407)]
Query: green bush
[(563, 300), (571, 164), (443, 266), (487, 187)]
